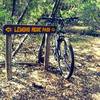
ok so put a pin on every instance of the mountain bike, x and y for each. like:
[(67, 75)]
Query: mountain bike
[(63, 50)]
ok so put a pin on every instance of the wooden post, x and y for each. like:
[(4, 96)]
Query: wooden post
[(8, 57), (47, 50)]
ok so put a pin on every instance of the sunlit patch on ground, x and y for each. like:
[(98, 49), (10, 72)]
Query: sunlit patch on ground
[(96, 96)]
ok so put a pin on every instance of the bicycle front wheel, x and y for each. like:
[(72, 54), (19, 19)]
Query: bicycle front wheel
[(66, 59)]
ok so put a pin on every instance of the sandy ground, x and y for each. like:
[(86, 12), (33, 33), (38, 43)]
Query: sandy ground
[(30, 83)]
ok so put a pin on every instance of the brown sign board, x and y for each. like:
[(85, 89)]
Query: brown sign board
[(27, 29)]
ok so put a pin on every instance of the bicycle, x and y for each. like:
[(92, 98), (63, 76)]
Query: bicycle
[(63, 50)]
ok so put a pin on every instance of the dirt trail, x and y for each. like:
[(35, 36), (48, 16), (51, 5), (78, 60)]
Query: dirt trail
[(38, 84)]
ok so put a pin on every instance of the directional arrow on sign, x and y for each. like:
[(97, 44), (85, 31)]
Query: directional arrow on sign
[(8, 29)]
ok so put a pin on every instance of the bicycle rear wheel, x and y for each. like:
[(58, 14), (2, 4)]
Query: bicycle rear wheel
[(66, 58)]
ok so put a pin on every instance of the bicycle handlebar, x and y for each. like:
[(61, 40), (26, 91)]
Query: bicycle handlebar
[(60, 21), (50, 19)]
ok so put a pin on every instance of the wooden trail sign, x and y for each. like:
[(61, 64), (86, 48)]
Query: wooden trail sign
[(27, 29)]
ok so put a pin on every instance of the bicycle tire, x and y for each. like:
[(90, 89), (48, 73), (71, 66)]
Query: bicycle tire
[(64, 54)]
